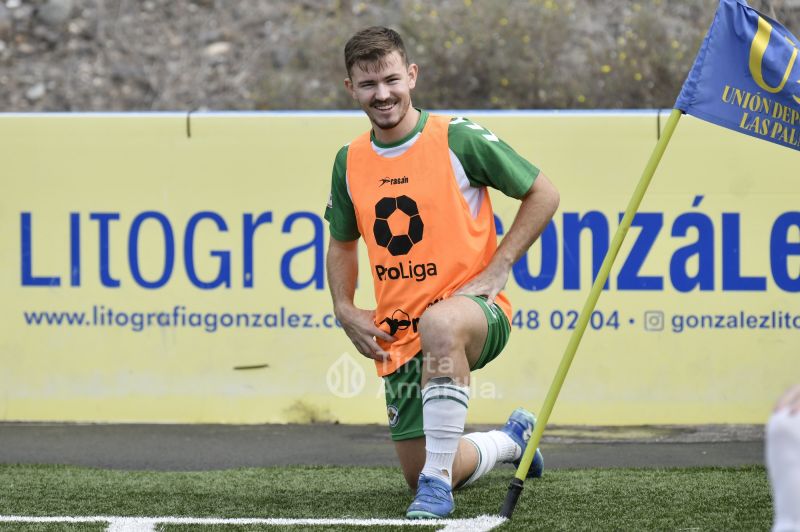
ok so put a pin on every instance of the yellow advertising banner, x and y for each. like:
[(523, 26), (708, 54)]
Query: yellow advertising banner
[(165, 268)]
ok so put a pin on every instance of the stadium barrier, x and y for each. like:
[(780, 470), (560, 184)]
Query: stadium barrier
[(170, 268)]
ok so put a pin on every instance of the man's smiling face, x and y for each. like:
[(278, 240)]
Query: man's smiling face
[(383, 89)]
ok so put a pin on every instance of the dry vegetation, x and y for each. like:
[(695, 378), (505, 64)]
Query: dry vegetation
[(224, 54)]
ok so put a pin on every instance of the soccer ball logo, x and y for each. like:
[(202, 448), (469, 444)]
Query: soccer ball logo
[(396, 209)]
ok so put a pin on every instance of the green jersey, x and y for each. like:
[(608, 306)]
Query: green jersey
[(479, 159)]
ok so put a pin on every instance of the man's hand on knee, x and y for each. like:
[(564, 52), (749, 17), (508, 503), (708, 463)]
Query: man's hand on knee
[(359, 325), (488, 283)]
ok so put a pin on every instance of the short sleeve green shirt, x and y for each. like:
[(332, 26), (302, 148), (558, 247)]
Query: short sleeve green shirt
[(487, 161)]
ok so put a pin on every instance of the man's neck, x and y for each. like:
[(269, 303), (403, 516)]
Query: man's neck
[(401, 130)]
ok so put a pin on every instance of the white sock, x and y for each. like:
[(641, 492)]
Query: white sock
[(444, 412), (783, 465), (493, 446)]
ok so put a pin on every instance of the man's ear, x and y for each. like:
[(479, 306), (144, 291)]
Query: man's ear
[(348, 84), (413, 70)]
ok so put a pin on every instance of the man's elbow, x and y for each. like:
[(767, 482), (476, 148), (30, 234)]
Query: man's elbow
[(545, 194), (553, 200)]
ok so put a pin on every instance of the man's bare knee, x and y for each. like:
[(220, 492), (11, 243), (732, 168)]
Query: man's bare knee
[(436, 321), (439, 332)]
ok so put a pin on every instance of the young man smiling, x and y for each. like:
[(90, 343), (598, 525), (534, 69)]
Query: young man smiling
[(415, 188)]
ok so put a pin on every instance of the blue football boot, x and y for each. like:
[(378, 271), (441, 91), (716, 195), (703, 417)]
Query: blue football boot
[(519, 427), (434, 499)]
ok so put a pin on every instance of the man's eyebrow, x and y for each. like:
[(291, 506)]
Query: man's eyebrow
[(387, 77)]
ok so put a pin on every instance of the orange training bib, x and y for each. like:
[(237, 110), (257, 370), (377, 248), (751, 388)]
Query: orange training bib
[(422, 239)]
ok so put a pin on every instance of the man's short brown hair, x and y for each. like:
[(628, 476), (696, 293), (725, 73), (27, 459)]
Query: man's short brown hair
[(371, 45)]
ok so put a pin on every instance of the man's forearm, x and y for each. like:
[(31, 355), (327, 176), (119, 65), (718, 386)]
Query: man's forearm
[(535, 212), (342, 268)]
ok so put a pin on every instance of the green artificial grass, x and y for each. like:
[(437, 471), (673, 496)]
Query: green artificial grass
[(593, 499)]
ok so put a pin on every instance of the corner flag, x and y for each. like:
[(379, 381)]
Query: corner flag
[(746, 76)]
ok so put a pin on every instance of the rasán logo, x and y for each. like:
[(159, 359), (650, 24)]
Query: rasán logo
[(400, 321), (402, 213), (392, 181)]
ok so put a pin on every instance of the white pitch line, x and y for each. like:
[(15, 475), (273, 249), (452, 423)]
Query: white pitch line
[(132, 524), (482, 523)]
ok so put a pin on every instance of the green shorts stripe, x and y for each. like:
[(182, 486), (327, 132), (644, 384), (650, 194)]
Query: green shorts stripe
[(403, 388)]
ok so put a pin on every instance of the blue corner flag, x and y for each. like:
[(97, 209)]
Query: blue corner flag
[(746, 76)]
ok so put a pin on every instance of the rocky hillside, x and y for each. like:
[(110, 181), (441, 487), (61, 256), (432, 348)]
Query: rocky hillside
[(122, 55)]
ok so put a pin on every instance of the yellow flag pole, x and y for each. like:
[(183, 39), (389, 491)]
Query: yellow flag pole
[(515, 489)]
